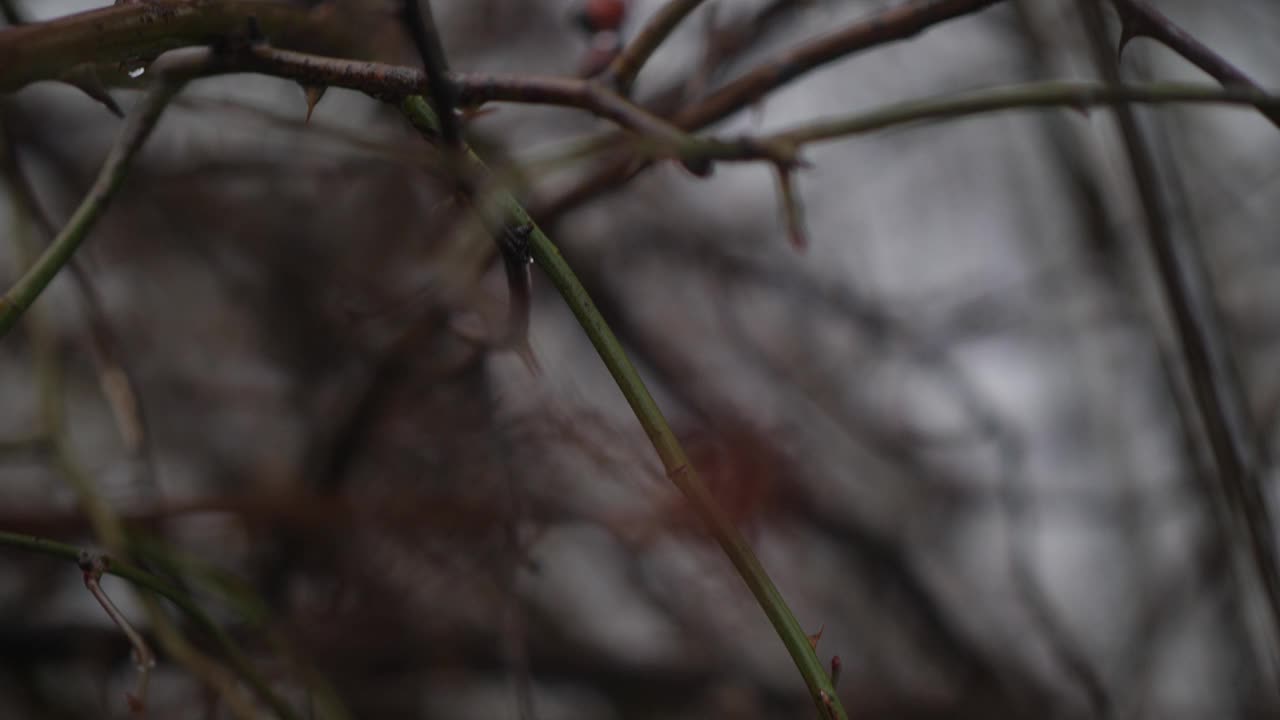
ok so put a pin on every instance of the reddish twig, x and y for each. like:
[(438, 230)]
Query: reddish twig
[(93, 566)]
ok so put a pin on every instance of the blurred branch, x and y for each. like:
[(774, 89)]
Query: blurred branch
[(171, 75), (1139, 19), (1205, 350), (114, 379), (10, 13), (422, 28), (624, 68), (145, 580)]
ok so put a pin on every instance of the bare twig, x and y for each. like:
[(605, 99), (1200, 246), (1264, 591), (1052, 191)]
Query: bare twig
[(624, 68), (886, 26), (783, 145), (1140, 19), (93, 565), (422, 28), (881, 27), (1074, 95)]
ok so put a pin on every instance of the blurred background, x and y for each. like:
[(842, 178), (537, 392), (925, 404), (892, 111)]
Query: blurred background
[(956, 428)]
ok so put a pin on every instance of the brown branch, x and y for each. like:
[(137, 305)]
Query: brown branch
[(1139, 19), (624, 68), (392, 82), (142, 31), (886, 26)]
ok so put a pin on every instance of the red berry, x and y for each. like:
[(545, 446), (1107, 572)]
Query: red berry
[(602, 15)]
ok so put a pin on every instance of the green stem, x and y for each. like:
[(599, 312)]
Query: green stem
[(1049, 94), (664, 441), (137, 129)]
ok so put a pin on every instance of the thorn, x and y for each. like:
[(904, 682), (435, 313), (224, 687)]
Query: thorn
[(791, 210), (699, 167), (314, 93), (524, 350), (1127, 33), (1132, 26), (814, 638), (85, 79), (836, 665)]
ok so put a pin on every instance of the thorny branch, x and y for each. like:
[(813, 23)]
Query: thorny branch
[(1139, 18), (128, 32)]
